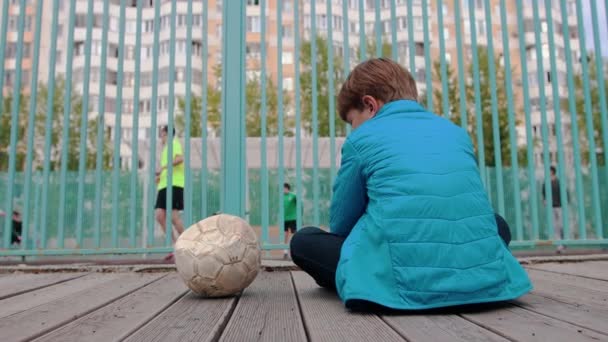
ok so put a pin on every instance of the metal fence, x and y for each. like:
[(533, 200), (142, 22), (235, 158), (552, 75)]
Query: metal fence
[(250, 87)]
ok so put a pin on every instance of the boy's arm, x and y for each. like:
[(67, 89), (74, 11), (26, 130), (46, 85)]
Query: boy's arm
[(349, 195)]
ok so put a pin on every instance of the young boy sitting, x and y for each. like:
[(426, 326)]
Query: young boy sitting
[(411, 225)]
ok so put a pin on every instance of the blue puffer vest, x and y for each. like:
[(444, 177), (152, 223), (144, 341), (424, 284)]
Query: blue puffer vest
[(421, 232)]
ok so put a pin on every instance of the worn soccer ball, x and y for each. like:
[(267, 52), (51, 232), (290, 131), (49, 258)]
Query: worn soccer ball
[(219, 256)]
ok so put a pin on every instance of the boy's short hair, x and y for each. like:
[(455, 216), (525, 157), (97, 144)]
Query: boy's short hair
[(286, 185), (381, 78), (552, 168), (166, 130)]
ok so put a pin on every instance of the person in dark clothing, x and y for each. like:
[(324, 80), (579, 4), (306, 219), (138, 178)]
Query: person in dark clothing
[(16, 228), (557, 207)]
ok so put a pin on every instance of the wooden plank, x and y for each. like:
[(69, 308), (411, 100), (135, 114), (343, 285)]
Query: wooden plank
[(586, 316), (326, 318), (119, 319), (51, 293), (439, 327), (267, 311), (519, 324), (192, 318), (589, 269), (567, 279), (44, 318), (570, 293), (16, 284)]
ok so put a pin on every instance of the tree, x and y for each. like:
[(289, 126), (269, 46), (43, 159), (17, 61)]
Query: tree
[(253, 107), (323, 86), (214, 103), (486, 106), (595, 108), (73, 144), (5, 133), (74, 130)]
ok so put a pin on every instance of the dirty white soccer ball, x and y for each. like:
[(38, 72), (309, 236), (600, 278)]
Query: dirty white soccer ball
[(218, 256)]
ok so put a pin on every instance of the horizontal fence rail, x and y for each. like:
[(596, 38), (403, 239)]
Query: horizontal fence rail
[(250, 89)]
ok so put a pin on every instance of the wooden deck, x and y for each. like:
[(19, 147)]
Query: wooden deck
[(569, 303)]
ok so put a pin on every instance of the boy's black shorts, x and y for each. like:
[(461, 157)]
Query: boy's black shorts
[(177, 199), (291, 226)]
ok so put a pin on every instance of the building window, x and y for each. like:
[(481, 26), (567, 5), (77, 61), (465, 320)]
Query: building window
[(253, 50), (287, 58), (253, 24), (288, 84)]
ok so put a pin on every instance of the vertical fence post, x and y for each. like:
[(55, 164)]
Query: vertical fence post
[(30, 134), (101, 126), (204, 53), (580, 199), (512, 133), (495, 123), (595, 194), (50, 97), (15, 104), (233, 107), (529, 138), (263, 125), (280, 128), (135, 130), (315, 114), (83, 124), (332, 98), (188, 115), (299, 206), (461, 88), (67, 111)]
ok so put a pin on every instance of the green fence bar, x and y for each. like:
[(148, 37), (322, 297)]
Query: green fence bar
[(298, 124), (332, 95), (362, 42), (479, 120), (204, 54), (495, 123), (30, 136), (512, 133), (263, 125), (101, 122), (118, 122), (410, 33), (427, 56), (315, 114), (599, 70), (280, 131), (187, 133), (595, 194), (394, 51), (544, 129), (345, 47), (580, 199), (135, 129), (170, 128), (461, 87), (444, 74), (527, 110), (377, 26), (84, 123), (14, 125), (3, 41), (558, 123), (233, 108), (154, 124), (67, 109)]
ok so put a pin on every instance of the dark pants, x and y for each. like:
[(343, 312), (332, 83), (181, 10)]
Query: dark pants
[(317, 252)]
